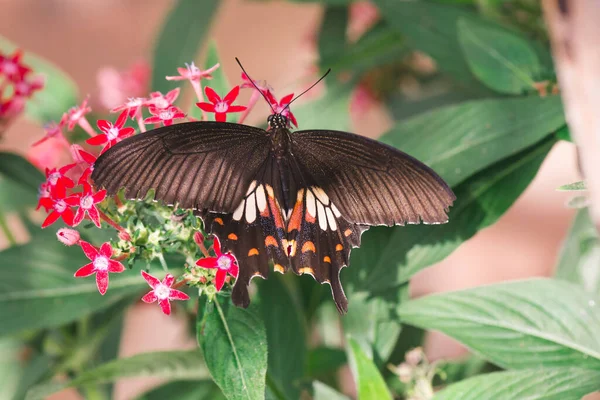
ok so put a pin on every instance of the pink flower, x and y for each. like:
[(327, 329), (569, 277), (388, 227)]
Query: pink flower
[(76, 115), (160, 101), (221, 107), (225, 264), (53, 130), (112, 133), (26, 87), (86, 201), (116, 86), (281, 107), (12, 68), (101, 264), (164, 115), (132, 106), (60, 209), (67, 236), (162, 292), (193, 73), (44, 193)]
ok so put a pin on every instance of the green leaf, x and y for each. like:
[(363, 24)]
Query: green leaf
[(324, 360), (59, 93), (432, 28), (185, 390), (579, 260), (573, 187), (234, 343), (379, 46), (323, 392), (463, 139), (182, 365), (20, 172), (502, 60), (285, 336), (38, 290), (522, 324), (332, 33), (533, 384), (369, 382), (373, 323), (390, 256), (218, 82), (180, 39)]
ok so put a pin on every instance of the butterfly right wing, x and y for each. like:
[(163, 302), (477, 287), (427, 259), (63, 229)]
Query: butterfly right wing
[(201, 165)]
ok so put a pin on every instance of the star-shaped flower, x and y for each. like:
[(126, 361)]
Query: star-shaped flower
[(164, 115), (162, 292), (60, 209), (76, 115), (11, 66), (221, 107), (112, 133), (281, 106), (86, 201), (58, 181), (224, 263), (131, 106), (162, 101), (101, 264)]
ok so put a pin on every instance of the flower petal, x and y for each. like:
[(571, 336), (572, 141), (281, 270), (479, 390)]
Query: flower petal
[(90, 251), (178, 295), (213, 97), (50, 219), (152, 281), (206, 107), (168, 280), (104, 125), (233, 109), (126, 132), (217, 246), (84, 271), (209, 262), (100, 196), (106, 250), (115, 266), (78, 216), (220, 117), (232, 95), (97, 140), (68, 216), (149, 297), (220, 279), (102, 281), (234, 270), (94, 216), (121, 120), (165, 306)]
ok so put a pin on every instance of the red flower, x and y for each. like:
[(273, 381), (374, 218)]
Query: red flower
[(162, 292), (112, 133), (43, 193), (12, 67), (164, 115), (221, 107), (60, 209), (101, 264), (132, 106), (86, 201), (225, 264), (84, 157), (57, 180), (282, 108), (26, 87), (162, 101)]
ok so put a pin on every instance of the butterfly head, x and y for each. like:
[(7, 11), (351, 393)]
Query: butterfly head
[(277, 121)]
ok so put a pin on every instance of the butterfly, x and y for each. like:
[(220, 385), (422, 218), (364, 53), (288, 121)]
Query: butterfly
[(294, 200)]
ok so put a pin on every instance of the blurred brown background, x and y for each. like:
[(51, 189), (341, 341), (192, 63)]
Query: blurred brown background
[(273, 39)]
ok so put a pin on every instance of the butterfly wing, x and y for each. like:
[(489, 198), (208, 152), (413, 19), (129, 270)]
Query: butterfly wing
[(372, 183), (255, 231), (203, 165)]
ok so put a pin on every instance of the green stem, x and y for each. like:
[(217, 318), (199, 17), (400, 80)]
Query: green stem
[(6, 230)]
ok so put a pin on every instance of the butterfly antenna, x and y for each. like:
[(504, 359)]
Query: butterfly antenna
[(254, 84), (311, 86)]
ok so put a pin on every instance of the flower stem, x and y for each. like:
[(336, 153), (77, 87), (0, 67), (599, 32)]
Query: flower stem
[(163, 263), (85, 125), (6, 230), (109, 221)]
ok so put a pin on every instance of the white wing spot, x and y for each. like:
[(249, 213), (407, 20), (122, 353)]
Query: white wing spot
[(331, 220), (321, 195), (239, 211), (310, 204), (251, 208), (261, 199), (335, 210), (251, 187), (322, 217)]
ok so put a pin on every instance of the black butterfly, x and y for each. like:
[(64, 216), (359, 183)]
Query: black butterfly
[(300, 200)]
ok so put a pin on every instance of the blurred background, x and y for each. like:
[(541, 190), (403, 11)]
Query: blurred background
[(276, 41)]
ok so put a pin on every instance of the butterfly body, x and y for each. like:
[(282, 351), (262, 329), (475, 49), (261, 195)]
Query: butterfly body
[(278, 199)]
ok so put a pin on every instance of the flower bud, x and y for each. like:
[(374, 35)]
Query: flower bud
[(199, 238), (414, 357), (68, 236), (405, 373), (123, 235)]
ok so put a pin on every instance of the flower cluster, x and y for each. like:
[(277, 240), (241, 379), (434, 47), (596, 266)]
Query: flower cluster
[(17, 85), (146, 231), (417, 373)]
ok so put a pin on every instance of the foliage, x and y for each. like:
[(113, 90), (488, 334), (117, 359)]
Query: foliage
[(492, 120)]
